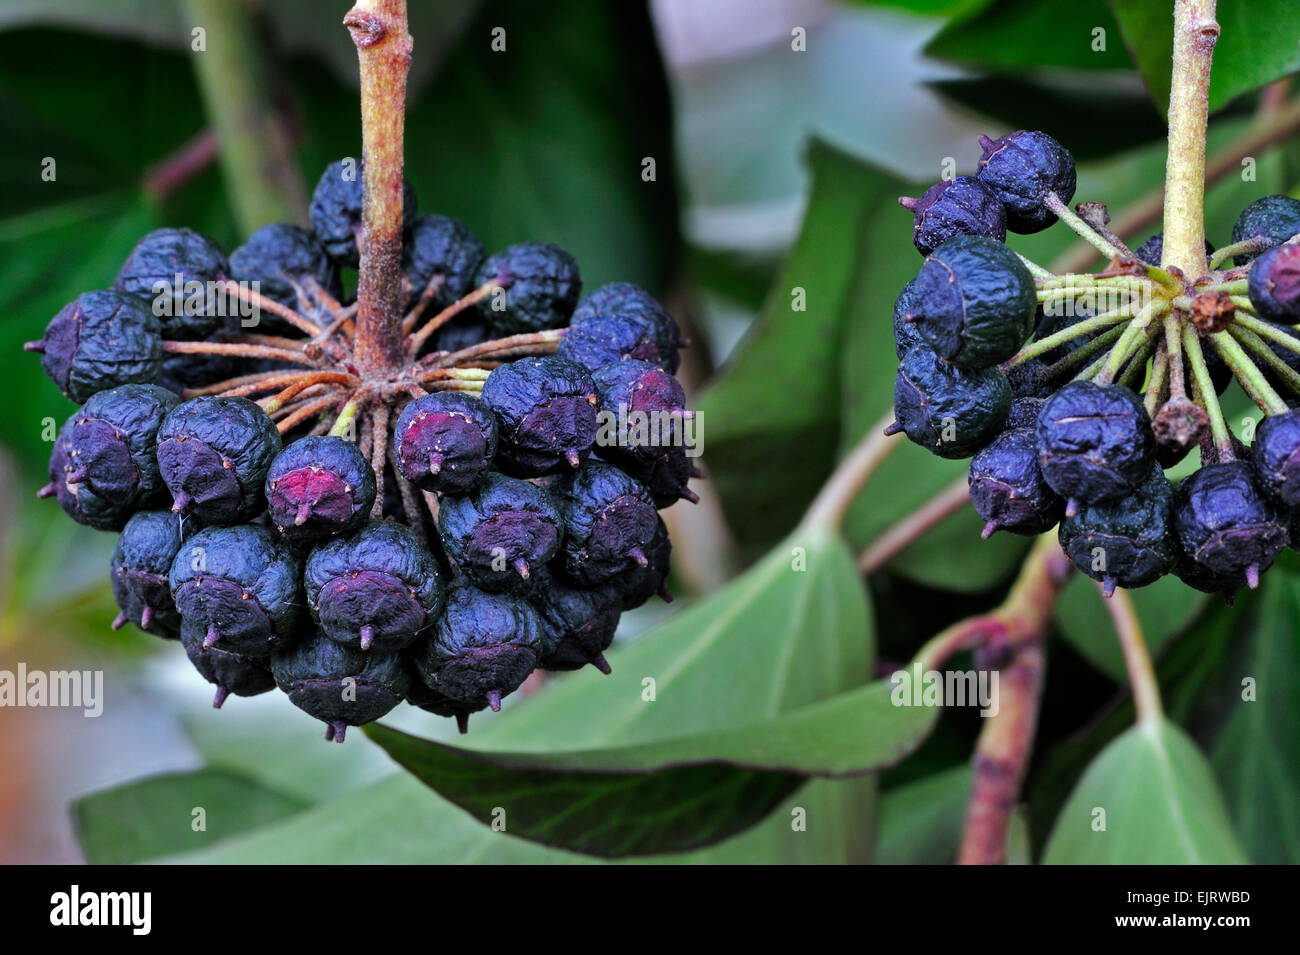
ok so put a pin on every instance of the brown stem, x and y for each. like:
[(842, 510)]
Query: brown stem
[(510, 345), (378, 28), (262, 303), (914, 526), (378, 451), (310, 408), (194, 156), (274, 341), (433, 287), (230, 383), (416, 341), (283, 379), (1195, 33), (241, 351), (303, 383)]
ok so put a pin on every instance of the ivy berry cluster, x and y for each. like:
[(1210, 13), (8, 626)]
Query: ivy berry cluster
[(431, 532), (1073, 394)]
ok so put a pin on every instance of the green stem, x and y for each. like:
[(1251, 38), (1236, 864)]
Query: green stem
[(1155, 387), (1205, 388), (1257, 347), (1248, 375), (347, 414), (257, 161), (1257, 244), (1235, 287), (1137, 661), (1133, 337), (1081, 228), (1065, 335), (1174, 346), (1098, 345), (1267, 330), (1036, 270)]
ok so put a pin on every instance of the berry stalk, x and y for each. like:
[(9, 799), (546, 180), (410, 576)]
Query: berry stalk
[(1137, 661), (1195, 33), (378, 28)]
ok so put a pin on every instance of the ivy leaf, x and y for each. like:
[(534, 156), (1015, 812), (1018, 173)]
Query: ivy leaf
[(1257, 754), (921, 822), (156, 816), (1149, 798), (668, 795), (1031, 34), (773, 415)]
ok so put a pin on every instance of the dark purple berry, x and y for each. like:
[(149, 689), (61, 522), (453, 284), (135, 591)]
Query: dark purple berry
[(1227, 524), (239, 587), (171, 270), (1272, 218), (139, 572), (229, 672), (643, 427), (609, 522), (445, 441), (319, 487), (338, 685), (442, 247), (377, 589), (101, 340), (1199, 577), (578, 624), (640, 583), (1275, 456), (975, 302), (657, 335), (538, 288), (1024, 412), (500, 532), (546, 409), (111, 443), (906, 334), (336, 209), (1094, 443), (213, 454), (1022, 169), (1129, 542), (464, 331), (283, 258), (79, 502), (1274, 284), (951, 411), (953, 207), (1008, 489), (482, 647), (605, 339)]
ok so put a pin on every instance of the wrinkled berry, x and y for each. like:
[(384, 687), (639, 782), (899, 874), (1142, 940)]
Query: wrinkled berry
[(319, 487), (606, 339), (170, 269), (953, 207), (578, 624), (1274, 284), (658, 336), (445, 441), (1129, 542), (1094, 443), (377, 589), (139, 572), (440, 704), (905, 331), (112, 440), (1275, 456), (336, 209), (444, 247), (500, 532), (609, 521), (643, 427), (1275, 218), (338, 685), (538, 288), (239, 587), (229, 672), (213, 454), (640, 583), (482, 647), (101, 340), (546, 409), (951, 411), (281, 258), (76, 498), (1008, 489), (976, 302), (1022, 169), (1227, 524)]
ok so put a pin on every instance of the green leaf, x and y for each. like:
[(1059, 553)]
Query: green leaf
[(1164, 609), (921, 822), (672, 794), (1150, 798), (157, 816), (1257, 755), (773, 415), (1259, 43), (792, 630), (1029, 34), (929, 8)]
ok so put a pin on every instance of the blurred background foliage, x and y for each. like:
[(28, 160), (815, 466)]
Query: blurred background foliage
[(775, 169)]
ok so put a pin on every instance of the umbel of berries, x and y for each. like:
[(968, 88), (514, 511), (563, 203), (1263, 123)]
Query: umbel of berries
[(377, 589), (293, 500)]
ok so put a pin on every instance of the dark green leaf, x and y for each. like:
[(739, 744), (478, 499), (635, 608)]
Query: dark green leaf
[(930, 8), (1030, 34), (160, 815), (1257, 755), (921, 822), (1259, 43), (1149, 798), (773, 416)]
